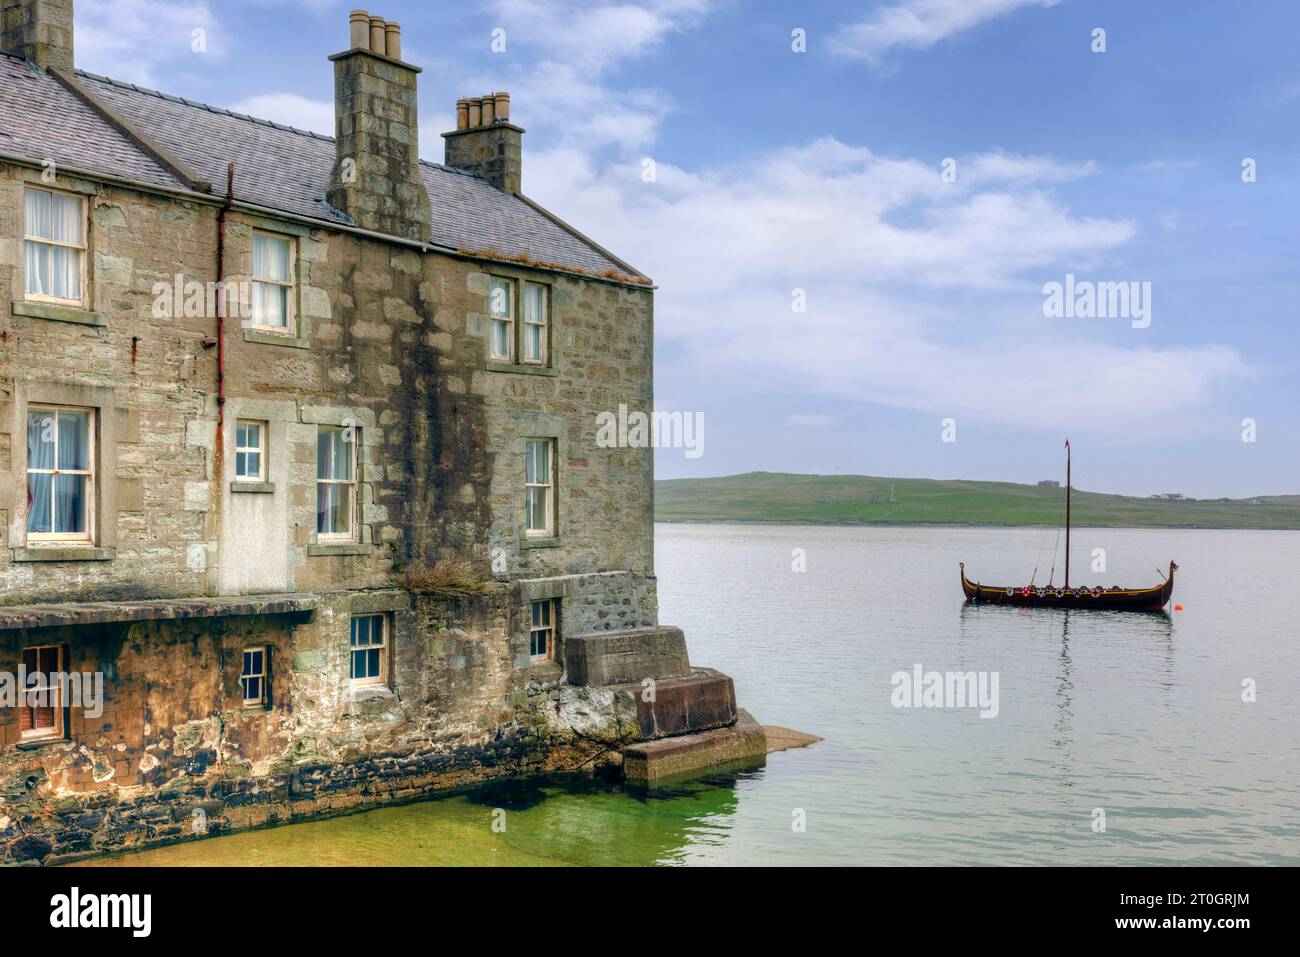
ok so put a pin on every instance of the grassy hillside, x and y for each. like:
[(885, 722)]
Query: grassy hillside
[(787, 497)]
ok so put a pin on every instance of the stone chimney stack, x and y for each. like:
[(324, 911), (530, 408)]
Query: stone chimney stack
[(38, 30), (376, 177), (486, 142)]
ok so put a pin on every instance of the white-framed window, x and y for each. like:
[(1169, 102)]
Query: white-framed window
[(60, 474), (54, 246), (254, 676), (336, 483), (539, 488), (250, 451), (368, 650), (501, 309), (42, 707), (544, 624), (536, 316), (273, 292)]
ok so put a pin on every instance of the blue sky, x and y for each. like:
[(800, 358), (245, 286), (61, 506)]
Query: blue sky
[(819, 171)]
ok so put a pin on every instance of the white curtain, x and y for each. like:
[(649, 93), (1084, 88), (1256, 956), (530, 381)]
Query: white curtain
[(534, 317), (500, 337), (270, 261), (537, 469), (57, 440), (53, 270), (40, 485)]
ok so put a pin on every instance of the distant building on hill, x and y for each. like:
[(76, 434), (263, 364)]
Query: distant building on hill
[(1049, 483)]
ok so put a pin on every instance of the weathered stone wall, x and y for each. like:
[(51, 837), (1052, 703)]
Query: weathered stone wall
[(175, 754), (150, 379), (392, 341)]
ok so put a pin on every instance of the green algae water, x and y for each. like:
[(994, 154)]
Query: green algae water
[(544, 823), (1139, 715)]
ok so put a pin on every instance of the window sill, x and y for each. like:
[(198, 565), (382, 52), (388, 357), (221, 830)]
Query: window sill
[(57, 313), (276, 339), (266, 488), (553, 542), (495, 366), (544, 671), (340, 548), (35, 744), (372, 698), (64, 553)]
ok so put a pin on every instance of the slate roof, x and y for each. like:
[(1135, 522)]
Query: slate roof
[(276, 166), (41, 120)]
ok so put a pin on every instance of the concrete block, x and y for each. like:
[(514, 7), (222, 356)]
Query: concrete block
[(698, 702), (623, 657)]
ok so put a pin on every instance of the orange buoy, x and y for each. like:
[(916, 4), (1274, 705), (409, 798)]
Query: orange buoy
[(1178, 607)]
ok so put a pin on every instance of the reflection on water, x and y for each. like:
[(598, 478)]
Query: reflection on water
[(1138, 714), (508, 823)]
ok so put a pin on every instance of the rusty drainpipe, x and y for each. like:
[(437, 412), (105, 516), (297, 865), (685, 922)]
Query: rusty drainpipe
[(218, 452)]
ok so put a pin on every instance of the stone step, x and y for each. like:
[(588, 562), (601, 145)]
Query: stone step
[(655, 762), (700, 701)]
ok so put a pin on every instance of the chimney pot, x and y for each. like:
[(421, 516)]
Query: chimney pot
[(377, 133), (359, 29), (486, 143)]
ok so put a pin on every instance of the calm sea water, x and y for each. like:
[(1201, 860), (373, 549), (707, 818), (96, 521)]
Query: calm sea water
[(1140, 715)]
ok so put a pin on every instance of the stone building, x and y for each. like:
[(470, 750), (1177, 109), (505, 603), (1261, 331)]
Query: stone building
[(257, 388)]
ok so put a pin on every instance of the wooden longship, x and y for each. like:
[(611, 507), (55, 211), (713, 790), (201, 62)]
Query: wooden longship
[(1114, 598)]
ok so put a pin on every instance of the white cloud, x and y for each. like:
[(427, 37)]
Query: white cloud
[(561, 54), (130, 40), (919, 295), (291, 110), (823, 211), (917, 24), (593, 37)]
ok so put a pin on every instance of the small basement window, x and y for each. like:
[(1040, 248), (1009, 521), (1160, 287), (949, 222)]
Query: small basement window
[(368, 650), (254, 677), (545, 616), (41, 714)]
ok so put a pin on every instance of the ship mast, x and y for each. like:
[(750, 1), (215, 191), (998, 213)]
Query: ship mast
[(1067, 513)]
